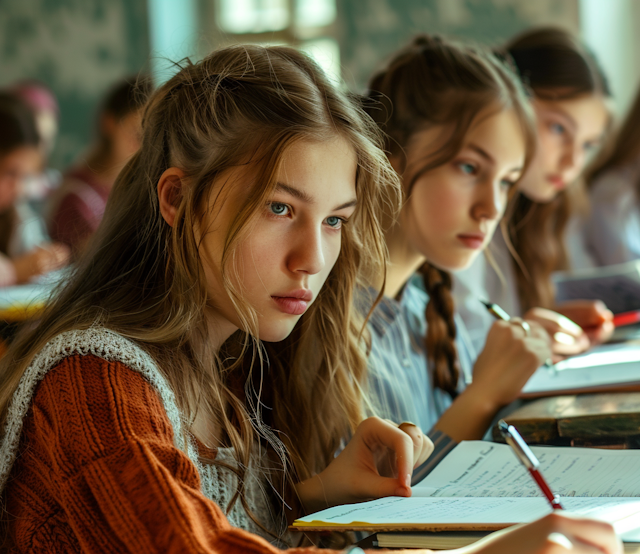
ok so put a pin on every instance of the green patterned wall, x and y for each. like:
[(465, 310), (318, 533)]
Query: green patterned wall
[(76, 47), (80, 47), (370, 30)]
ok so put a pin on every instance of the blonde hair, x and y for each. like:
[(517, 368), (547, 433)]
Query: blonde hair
[(240, 106), (438, 82)]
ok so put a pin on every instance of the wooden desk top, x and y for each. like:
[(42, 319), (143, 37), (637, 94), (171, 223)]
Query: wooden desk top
[(603, 419)]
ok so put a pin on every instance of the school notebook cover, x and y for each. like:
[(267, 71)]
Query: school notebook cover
[(618, 286)]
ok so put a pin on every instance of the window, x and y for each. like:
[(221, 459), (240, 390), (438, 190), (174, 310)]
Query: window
[(305, 24)]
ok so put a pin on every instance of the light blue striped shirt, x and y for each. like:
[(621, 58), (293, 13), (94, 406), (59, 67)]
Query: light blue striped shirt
[(400, 381)]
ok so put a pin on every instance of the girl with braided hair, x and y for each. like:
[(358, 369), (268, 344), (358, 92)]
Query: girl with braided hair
[(460, 135)]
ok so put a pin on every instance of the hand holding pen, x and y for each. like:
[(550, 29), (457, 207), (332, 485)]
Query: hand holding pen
[(528, 460), (497, 312)]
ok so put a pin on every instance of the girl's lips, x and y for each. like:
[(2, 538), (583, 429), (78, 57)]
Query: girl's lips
[(290, 305), (556, 181), (472, 241)]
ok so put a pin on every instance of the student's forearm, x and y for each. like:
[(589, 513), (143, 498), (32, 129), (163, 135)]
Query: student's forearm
[(468, 418)]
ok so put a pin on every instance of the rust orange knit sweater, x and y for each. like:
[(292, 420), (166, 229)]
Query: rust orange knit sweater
[(98, 472)]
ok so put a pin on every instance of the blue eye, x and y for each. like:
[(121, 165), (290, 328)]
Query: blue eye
[(334, 222), (467, 168), (278, 208), (590, 147), (557, 128), (507, 183)]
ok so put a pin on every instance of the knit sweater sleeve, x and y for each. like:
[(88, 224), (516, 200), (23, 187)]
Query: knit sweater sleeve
[(100, 443)]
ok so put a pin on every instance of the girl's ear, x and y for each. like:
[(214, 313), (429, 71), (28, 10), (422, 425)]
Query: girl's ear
[(169, 193)]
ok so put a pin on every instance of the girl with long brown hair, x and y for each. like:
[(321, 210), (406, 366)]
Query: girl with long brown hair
[(570, 101), (612, 226), (460, 134), (205, 361)]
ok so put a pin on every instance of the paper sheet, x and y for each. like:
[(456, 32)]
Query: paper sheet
[(624, 513), (614, 364), (482, 469)]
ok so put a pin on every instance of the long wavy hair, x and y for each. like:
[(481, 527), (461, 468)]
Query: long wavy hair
[(435, 82), (240, 106), (555, 66)]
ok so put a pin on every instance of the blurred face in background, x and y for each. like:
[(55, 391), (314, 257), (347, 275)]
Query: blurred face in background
[(123, 135), (15, 166), (47, 123), (569, 133)]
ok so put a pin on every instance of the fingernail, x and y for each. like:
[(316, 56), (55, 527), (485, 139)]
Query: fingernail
[(564, 338), (402, 491), (407, 480), (568, 325)]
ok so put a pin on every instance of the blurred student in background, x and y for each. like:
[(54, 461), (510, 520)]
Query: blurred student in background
[(77, 208), (44, 106), (25, 250), (570, 95), (612, 229)]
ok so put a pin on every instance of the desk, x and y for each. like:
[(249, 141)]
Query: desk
[(600, 420)]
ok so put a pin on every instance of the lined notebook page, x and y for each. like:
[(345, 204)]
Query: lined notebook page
[(482, 469)]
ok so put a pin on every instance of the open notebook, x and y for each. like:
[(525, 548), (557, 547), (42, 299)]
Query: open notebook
[(481, 486), (605, 368)]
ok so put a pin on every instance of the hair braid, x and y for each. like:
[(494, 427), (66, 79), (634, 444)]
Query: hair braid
[(441, 329)]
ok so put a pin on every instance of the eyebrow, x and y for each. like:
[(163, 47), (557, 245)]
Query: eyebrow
[(483, 153), (301, 195), (562, 113)]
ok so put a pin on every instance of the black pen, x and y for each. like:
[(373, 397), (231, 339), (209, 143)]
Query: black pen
[(497, 312)]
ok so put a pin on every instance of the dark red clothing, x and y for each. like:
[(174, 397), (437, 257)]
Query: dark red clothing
[(78, 208)]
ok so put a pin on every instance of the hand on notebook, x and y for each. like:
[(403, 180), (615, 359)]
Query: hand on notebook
[(377, 461), (553, 534), (593, 316)]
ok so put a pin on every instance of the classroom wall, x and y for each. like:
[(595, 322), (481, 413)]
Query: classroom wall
[(80, 47), (610, 30), (370, 30), (76, 47)]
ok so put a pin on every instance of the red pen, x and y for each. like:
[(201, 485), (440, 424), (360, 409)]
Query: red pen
[(626, 318), (529, 460)]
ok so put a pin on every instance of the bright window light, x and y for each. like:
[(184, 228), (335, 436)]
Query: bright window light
[(253, 16), (315, 13), (326, 53)]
